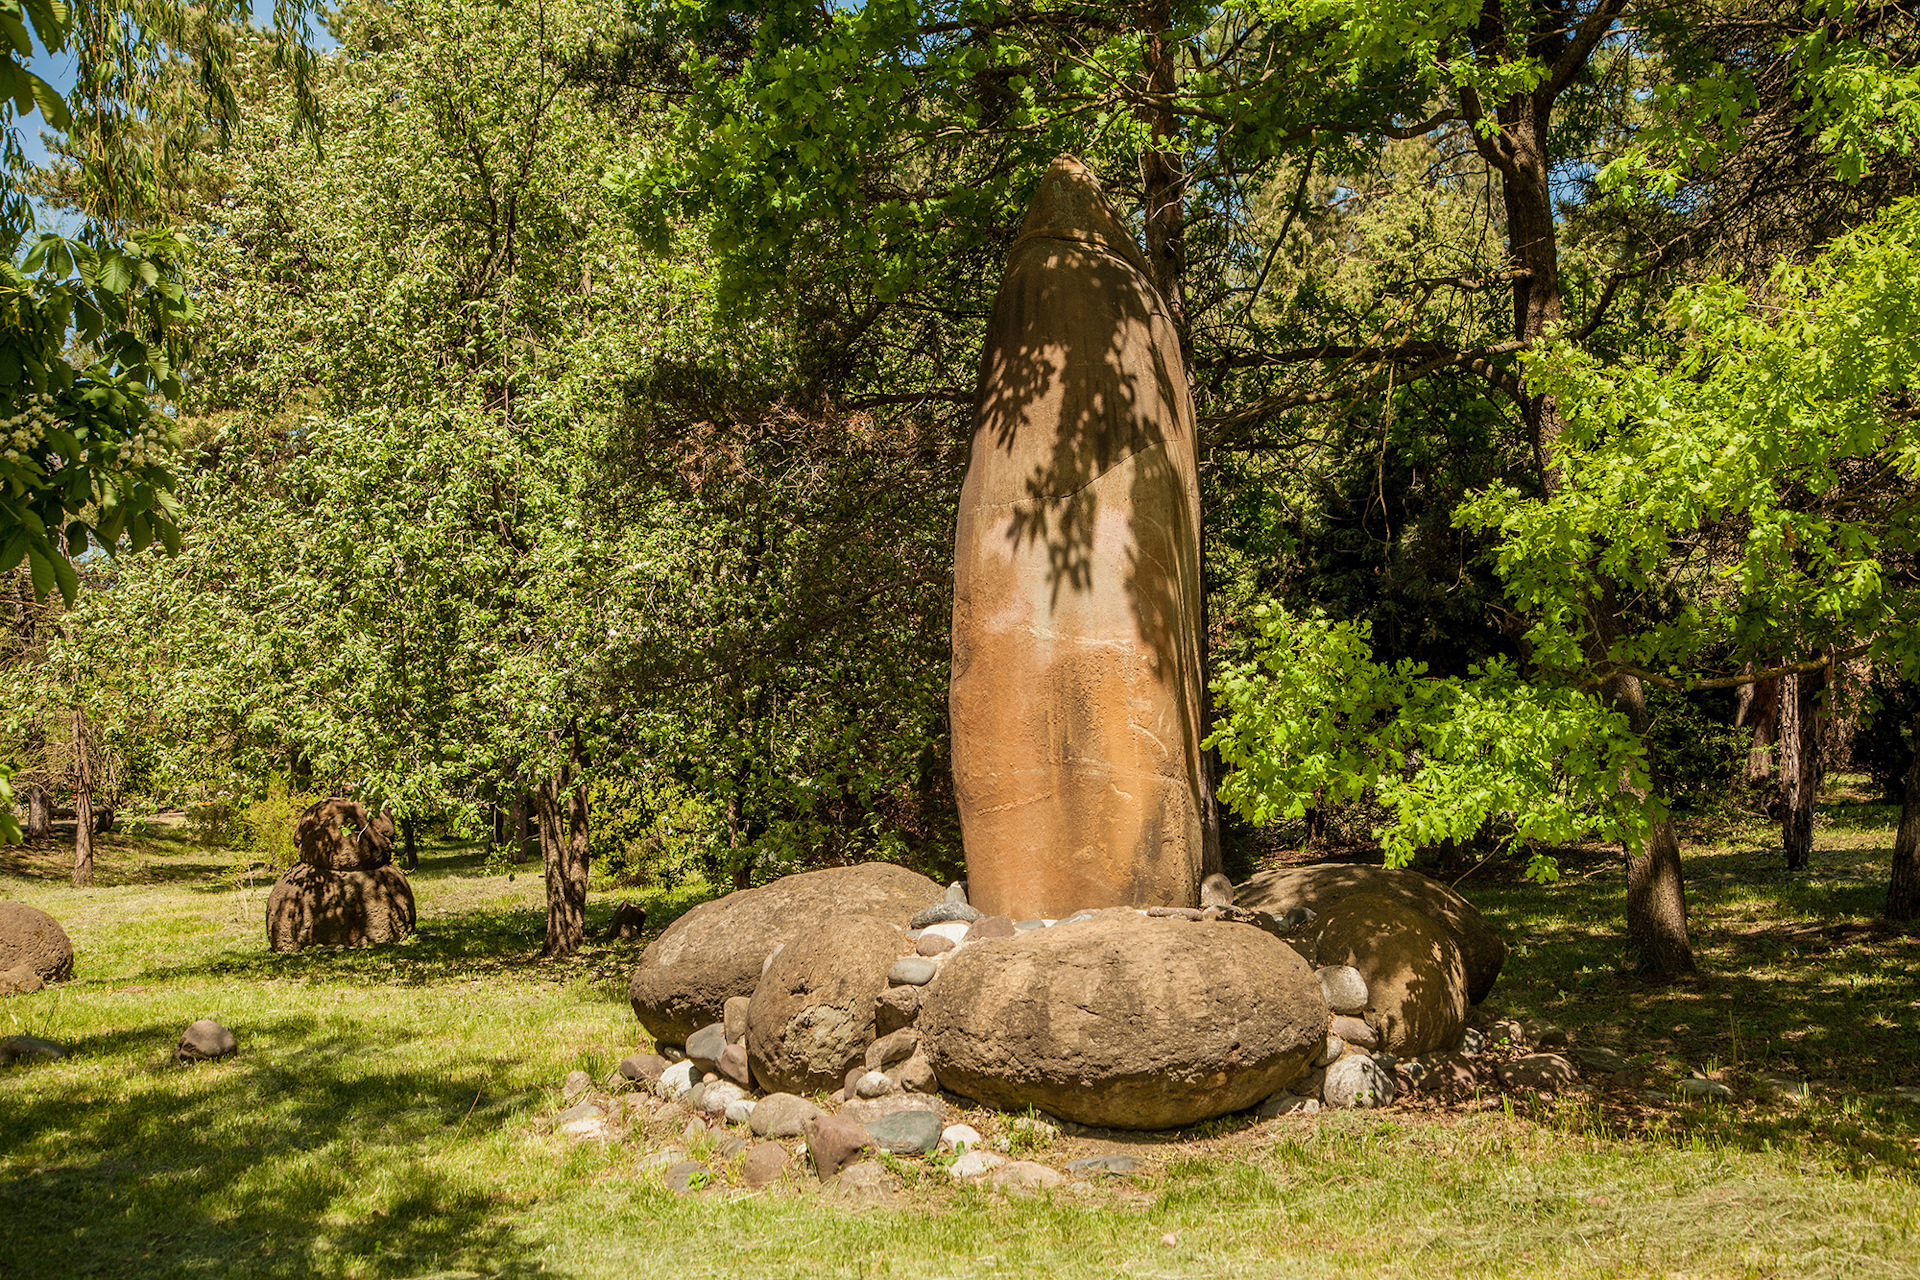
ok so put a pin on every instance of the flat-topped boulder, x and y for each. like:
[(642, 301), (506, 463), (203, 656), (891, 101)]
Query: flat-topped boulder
[(1318, 887), (717, 950), (1124, 1021), (32, 939)]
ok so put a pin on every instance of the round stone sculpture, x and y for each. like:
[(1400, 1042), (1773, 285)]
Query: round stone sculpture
[(1124, 1021), (1416, 980), (310, 907), (812, 1016), (341, 835), (716, 950), (1319, 887), (31, 937)]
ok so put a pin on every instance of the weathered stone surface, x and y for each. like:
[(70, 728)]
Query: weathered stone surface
[(688, 1175), (990, 927), (705, 1046), (204, 1041), (889, 1049), (812, 1016), (1317, 888), (932, 944), (1025, 1178), (867, 1110), (1451, 1075), (835, 1142), (907, 1133), (1124, 1021), (340, 835), (1077, 696), (1107, 1166), (309, 907), (733, 1020), (896, 1007), (1344, 988), (943, 912), (718, 949), (31, 937), (28, 1049), (763, 1163), (782, 1115), (1416, 981), (1284, 1104), (1354, 1031), (974, 1162), (912, 971), (916, 1074), (642, 1068), (20, 980), (1357, 1081), (629, 921), (1546, 1072), (733, 1064)]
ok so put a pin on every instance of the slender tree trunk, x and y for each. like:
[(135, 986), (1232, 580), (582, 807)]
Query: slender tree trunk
[(1759, 709), (1800, 764), (39, 810), (1903, 883), (563, 848), (1656, 892), (517, 828), (409, 845), (1162, 171), (82, 804)]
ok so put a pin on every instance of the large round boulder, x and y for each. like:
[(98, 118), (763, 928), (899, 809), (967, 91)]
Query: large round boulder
[(31, 937), (1416, 980), (716, 950), (1124, 1021), (341, 835), (310, 907), (1319, 887), (812, 1016)]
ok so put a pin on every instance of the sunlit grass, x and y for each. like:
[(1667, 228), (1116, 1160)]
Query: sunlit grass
[(386, 1114)]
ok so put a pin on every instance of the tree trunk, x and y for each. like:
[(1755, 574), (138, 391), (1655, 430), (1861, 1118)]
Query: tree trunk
[(1656, 893), (517, 829), (1759, 709), (1162, 172), (82, 804), (563, 851), (1800, 765), (39, 810), (1903, 883), (409, 846)]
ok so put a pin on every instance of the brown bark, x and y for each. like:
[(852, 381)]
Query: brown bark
[(409, 845), (1903, 882), (82, 804), (563, 849), (1800, 764), (1656, 888), (520, 840), (39, 810), (1759, 709), (1163, 174)]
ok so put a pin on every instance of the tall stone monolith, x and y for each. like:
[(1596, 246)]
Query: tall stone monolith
[(1078, 688)]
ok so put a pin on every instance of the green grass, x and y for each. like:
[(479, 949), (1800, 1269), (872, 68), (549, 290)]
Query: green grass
[(386, 1114)]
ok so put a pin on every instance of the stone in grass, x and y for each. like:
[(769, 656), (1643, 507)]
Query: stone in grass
[(763, 1163), (730, 1146), (813, 1014), (1543, 1072), (959, 1137), (31, 937), (1600, 1061), (642, 1068), (941, 912), (974, 1162), (1709, 1090), (1343, 987), (577, 1083), (1284, 1104), (688, 1175), (1357, 1081), (203, 1041), (741, 1111), (863, 1183), (782, 1115), (906, 1133), (28, 1049), (835, 1142), (718, 1097), (675, 1082), (21, 980), (912, 971), (867, 1110), (1110, 1165), (1024, 1178)]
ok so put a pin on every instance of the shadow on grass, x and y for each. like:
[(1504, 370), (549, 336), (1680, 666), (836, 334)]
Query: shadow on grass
[(308, 1154)]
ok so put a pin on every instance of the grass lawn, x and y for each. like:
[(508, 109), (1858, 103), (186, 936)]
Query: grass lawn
[(387, 1115)]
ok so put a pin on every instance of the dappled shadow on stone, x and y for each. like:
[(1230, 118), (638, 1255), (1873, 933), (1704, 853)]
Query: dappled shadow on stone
[(260, 1170)]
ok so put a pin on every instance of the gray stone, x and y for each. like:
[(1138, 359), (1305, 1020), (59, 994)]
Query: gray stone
[(675, 1081), (873, 1084), (1285, 1104), (1331, 1054), (1024, 1178), (957, 892), (907, 1133), (577, 1083), (1094, 1166), (1711, 1090), (912, 971), (1310, 1084), (28, 1049), (959, 1137), (705, 1046), (692, 1129), (1543, 1072), (741, 1110), (733, 1018), (1601, 1061), (718, 1097), (204, 1041), (730, 1146), (1357, 1081), (941, 911), (1028, 926), (1344, 988), (642, 1068), (973, 1162), (867, 1110), (593, 1107), (782, 1115), (688, 1175)]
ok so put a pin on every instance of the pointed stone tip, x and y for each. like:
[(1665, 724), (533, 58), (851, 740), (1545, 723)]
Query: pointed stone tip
[(1069, 204)]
